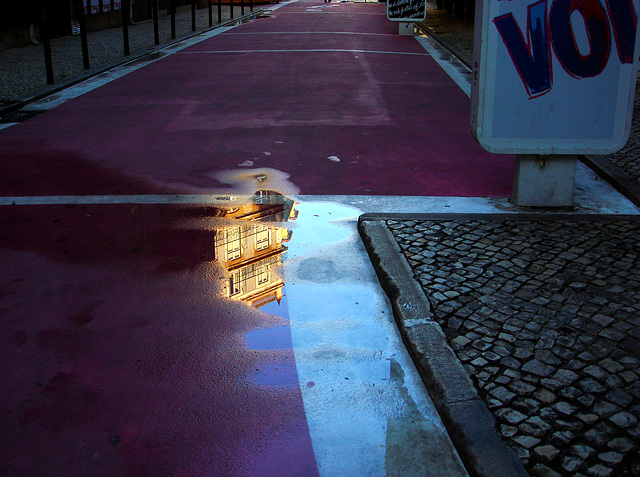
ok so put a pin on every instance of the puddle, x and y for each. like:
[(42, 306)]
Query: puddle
[(276, 298), (278, 374), (251, 248), (270, 338)]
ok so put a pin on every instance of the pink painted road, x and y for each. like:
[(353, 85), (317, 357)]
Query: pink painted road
[(119, 356), (285, 92)]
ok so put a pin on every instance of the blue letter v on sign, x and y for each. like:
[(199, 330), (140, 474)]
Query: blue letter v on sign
[(531, 58)]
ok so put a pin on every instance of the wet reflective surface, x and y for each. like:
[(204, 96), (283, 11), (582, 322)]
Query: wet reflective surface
[(251, 248), (235, 338), (122, 354)]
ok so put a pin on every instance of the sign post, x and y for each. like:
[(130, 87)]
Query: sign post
[(553, 79), (406, 12)]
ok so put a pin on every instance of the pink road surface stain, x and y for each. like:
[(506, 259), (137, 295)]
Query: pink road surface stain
[(121, 358)]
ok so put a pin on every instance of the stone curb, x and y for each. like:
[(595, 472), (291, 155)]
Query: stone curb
[(464, 59), (615, 176), (464, 413)]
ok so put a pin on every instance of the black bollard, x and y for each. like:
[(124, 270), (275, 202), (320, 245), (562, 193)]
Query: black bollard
[(46, 45), (83, 35), (470, 11), (193, 15), (125, 25), (156, 28)]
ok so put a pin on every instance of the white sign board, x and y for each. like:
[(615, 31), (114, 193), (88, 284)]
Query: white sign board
[(554, 76), (407, 10)]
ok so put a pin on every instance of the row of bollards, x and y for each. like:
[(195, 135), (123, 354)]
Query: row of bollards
[(463, 8), (79, 10)]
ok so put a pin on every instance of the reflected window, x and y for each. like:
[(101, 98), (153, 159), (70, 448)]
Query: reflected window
[(233, 243), (262, 237), (234, 283), (262, 197), (262, 275)]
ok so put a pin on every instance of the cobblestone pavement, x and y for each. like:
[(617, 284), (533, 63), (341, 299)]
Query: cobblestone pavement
[(628, 158), (22, 70), (545, 316)]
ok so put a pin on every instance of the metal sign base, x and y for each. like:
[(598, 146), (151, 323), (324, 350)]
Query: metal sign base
[(405, 28), (544, 181)]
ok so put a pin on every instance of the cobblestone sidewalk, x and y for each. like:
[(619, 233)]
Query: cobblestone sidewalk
[(545, 316), (22, 70)]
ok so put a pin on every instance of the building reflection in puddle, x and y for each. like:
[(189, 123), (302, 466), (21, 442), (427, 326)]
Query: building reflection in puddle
[(252, 249)]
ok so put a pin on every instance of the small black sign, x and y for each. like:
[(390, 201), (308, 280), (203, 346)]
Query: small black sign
[(406, 10)]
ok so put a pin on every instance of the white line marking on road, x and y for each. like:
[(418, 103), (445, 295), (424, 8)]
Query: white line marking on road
[(308, 33), (310, 50), (592, 196), (123, 199), (332, 13)]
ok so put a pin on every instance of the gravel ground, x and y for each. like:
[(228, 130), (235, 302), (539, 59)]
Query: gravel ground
[(22, 70), (450, 30)]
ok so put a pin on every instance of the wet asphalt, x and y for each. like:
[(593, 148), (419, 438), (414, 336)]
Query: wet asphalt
[(524, 331), (171, 304)]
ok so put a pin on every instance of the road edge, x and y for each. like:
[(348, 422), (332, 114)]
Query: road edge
[(50, 90), (466, 416), (614, 175)]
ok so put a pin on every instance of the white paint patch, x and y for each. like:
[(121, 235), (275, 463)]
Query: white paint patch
[(334, 158), (592, 195), (246, 183), (456, 70), (345, 343), (246, 164)]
